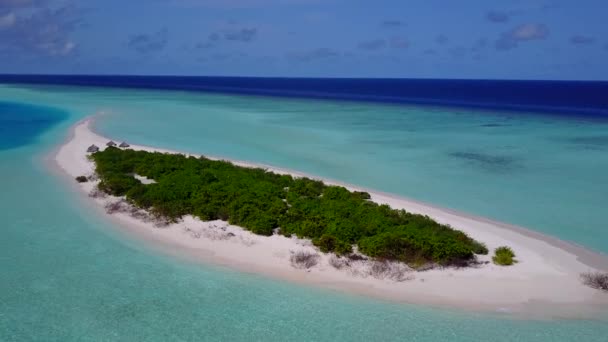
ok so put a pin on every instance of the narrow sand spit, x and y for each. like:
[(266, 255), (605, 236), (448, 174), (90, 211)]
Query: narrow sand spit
[(544, 283)]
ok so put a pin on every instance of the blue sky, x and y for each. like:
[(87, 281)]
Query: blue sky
[(516, 39)]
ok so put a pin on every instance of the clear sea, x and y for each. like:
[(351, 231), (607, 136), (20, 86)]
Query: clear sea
[(67, 276)]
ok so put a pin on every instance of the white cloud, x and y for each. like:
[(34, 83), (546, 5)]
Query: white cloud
[(7, 20), (242, 3), (64, 49), (312, 55), (530, 32), (14, 4), (39, 32), (522, 33)]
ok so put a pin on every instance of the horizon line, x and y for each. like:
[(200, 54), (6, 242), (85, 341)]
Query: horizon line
[(304, 77)]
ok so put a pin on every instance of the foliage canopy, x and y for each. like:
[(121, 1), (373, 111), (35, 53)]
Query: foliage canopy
[(260, 201)]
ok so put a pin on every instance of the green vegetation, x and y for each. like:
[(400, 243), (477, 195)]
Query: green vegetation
[(504, 256), (81, 179), (260, 201), (329, 243), (480, 248)]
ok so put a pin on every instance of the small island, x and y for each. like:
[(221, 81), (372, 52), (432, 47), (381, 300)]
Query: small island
[(263, 202), (289, 226)]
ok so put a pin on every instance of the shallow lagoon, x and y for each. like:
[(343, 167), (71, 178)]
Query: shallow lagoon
[(548, 173), (68, 276)]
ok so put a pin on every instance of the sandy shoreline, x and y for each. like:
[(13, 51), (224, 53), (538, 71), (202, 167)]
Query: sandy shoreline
[(545, 282)]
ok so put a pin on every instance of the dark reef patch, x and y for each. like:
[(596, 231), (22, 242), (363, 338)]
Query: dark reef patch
[(489, 162), (494, 124), (590, 143)]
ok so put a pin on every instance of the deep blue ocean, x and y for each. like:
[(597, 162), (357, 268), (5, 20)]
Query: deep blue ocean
[(566, 97), (67, 275)]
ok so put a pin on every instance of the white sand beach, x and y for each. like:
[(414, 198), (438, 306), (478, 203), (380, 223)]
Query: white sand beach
[(545, 282)]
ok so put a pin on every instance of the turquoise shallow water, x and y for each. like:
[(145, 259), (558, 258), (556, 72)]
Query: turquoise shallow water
[(67, 276), (548, 173)]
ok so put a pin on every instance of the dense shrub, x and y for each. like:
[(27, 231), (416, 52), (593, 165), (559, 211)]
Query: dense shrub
[(82, 179), (260, 201), (328, 243), (479, 248), (362, 195), (304, 259), (415, 247), (596, 280), (504, 256)]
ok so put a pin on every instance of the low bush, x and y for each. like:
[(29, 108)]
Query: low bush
[(596, 280), (479, 248), (379, 269), (304, 259), (339, 263), (356, 257), (328, 243), (82, 179), (116, 207), (504, 256), (97, 193), (362, 195), (382, 269)]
